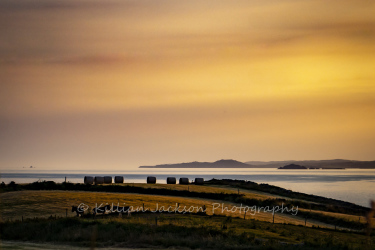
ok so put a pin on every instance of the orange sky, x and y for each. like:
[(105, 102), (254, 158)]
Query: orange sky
[(87, 84)]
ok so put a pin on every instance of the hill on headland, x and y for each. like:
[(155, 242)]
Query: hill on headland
[(324, 164), (195, 164), (293, 166)]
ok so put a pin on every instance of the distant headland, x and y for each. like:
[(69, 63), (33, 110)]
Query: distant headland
[(318, 164), (293, 166), (195, 164)]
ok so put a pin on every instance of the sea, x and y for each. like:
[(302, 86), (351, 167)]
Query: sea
[(352, 185)]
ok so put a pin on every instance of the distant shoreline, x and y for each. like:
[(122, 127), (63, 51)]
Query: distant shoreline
[(337, 164), (255, 168)]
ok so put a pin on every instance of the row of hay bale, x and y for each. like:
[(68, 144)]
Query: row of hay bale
[(172, 180), (150, 180), (102, 179)]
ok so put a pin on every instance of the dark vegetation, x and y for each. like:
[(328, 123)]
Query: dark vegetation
[(188, 231)]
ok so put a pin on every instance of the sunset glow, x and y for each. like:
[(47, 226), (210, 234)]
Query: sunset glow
[(119, 84)]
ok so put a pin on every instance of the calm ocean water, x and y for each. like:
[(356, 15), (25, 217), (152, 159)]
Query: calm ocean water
[(353, 185)]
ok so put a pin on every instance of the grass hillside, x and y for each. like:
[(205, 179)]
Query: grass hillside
[(41, 212)]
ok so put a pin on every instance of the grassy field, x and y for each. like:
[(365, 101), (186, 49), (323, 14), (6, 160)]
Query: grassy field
[(49, 208), (181, 231), (30, 204), (349, 217), (36, 246), (207, 189), (252, 194)]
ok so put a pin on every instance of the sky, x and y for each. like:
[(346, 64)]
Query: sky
[(119, 84)]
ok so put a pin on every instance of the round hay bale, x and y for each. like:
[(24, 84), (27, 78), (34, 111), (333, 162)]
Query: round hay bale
[(199, 181), (119, 179), (107, 179), (151, 180), (184, 181), (171, 180), (99, 179), (88, 180)]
